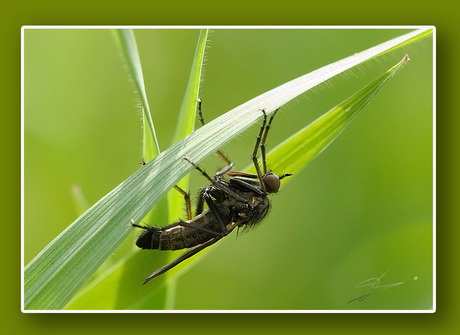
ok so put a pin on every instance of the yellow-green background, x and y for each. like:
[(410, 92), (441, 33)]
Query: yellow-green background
[(363, 207)]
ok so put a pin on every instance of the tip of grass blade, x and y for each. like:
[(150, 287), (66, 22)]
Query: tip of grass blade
[(403, 61), (398, 66)]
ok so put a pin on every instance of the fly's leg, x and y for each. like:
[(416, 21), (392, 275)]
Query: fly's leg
[(218, 152), (206, 197), (189, 253), (254, 153), (134, 224), (187, 205), (213, 208), (181, 191), (200, 203), (264, 138), (217, 183), (200, 170), (200, 115), (187, 201)]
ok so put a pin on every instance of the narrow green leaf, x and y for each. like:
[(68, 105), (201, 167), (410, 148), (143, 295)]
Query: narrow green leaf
[(301, 148), (185, 126), (135, 264), (297, 151), (53, 276), (187, 115), (186, 119), (127, 44)]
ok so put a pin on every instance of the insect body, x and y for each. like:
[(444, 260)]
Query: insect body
[(240, 201)]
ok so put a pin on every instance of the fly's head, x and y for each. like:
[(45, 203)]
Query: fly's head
[(272, 181)]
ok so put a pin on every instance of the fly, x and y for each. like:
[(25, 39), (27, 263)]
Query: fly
[(239, 201)]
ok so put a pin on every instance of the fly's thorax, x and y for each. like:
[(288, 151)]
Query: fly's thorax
[(253, 211), (260, 206)]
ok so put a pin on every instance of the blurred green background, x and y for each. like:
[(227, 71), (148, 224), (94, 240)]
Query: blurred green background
[(363, 207)]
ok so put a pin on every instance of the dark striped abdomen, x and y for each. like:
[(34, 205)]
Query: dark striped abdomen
[(177, 236)]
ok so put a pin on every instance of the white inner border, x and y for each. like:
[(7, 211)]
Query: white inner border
[(227, 311)]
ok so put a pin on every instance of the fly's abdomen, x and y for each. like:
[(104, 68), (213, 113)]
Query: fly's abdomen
[(173, 237)]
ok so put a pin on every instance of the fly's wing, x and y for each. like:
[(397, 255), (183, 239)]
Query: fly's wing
[(189, 253), (242, 174), (192, 251)]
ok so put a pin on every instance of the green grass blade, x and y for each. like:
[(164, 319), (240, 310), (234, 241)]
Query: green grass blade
[(301, 148), (187, 115), (127, 44), (297, 151), (185, 126), (136, 263), (55, 275), (186, 119)]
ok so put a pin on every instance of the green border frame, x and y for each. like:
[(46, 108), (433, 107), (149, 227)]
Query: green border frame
[(265, 12)]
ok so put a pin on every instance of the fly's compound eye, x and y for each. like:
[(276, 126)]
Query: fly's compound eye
[(272, 182)]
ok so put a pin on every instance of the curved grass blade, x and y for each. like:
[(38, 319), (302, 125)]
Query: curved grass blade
[(54, 276), (150, 147), (135, 263), (297, 151), (301, 148), (127, 44), (185, 126)]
